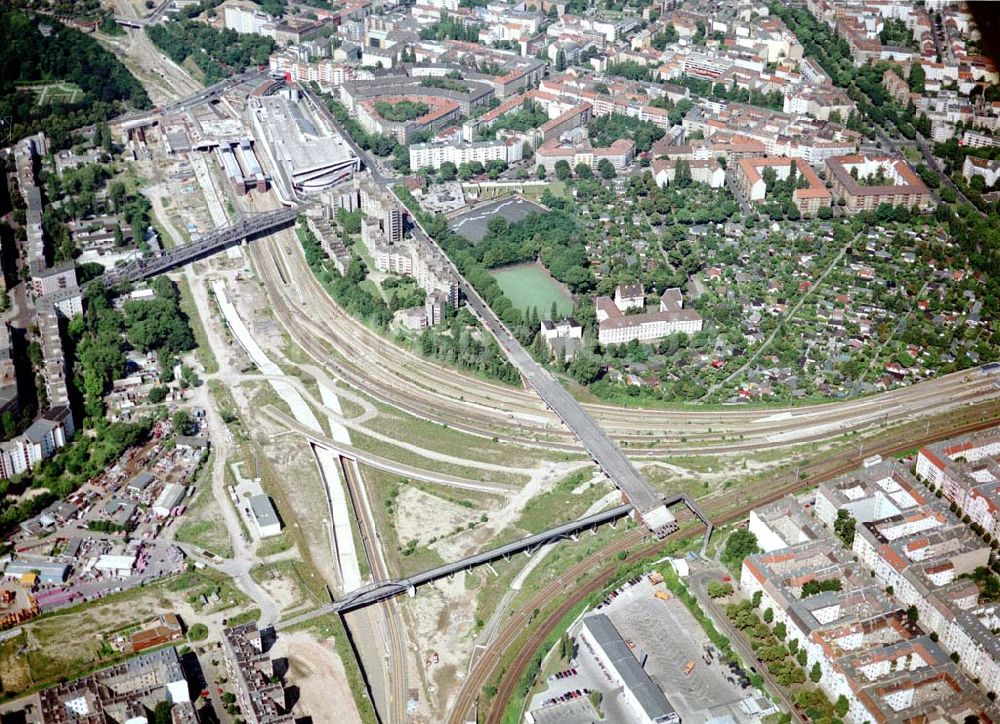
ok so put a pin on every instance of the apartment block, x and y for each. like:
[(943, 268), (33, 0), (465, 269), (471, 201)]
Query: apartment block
[(782, 524), (251, 669), (125, 692), (967, 470), (924, 557), (881, 491), (432, 155), (809, 196), (866, 182)]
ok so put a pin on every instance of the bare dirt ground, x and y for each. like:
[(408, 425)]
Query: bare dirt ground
[(441, 624), (67, 642), (421, 516), (313, 667)]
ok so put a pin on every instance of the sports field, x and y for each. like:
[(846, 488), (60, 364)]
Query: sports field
[(529, 285)]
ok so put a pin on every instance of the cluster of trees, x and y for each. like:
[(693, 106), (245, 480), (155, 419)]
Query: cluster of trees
[(158, 324), (718, 589), (988, 582), (98, 337), (554, 237), (530, 115), (779, 192), (697, 205), (401, 110), (604, 130), (863, 85), (346, 290), (217, 53), (661, 40), (895, 32), (449, 82), (740, 544), (403, 293), (377, 143), (458, 346), (769, 645), (733, 93), (811, 588), (106, 526), (85, 457), (630, 69), (677, 110), (843, 528), (448, 171), (448, 29), (67, 55), (78, 194)]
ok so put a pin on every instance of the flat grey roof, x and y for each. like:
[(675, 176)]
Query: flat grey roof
[(263, 511), (141, 481), (645, 690)]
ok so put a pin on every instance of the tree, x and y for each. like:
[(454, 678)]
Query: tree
[(560, 61), (198, 632), (540, 171), (917, 78), (583, 171), (756, 598), (183, 422), (717, 589), (566, 647), (606, 169), (842, 706), (447, 171), (816, 673), (158, 394), (740, 544), (682, 174), (843, 527), (563, 172), (768, 615), (161, 714)]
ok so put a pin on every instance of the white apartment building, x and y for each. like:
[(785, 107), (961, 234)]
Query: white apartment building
[(245, 20), (432, 155), (328, 73), (39, 442)]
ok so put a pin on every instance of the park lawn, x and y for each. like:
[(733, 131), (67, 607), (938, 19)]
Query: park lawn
[(60, 92), (529, 285)]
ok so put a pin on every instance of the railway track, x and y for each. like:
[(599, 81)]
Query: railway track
[(485, 666), (422, 388), (389, 610)]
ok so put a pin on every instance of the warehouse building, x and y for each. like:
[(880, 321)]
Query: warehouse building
[(264, 516), (169, 499), (47, 571), (640, 692)]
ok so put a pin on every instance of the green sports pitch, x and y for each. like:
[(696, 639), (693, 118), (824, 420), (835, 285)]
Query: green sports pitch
[(529, 285)]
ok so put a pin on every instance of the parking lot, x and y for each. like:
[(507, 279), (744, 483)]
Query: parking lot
[(666, 635), (670, 638)]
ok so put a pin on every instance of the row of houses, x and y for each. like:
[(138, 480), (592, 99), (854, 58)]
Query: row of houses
[(904, 588)]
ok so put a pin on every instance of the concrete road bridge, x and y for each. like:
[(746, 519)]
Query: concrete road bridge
[(382, 590), (249, 226)]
